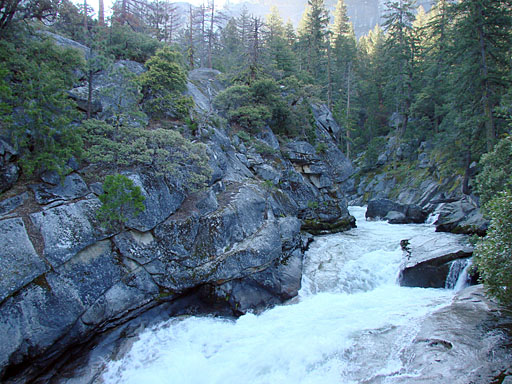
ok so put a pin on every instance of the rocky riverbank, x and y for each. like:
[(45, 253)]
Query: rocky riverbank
[(235, 246)]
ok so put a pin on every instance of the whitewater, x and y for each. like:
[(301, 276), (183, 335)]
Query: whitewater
[(349, 324)]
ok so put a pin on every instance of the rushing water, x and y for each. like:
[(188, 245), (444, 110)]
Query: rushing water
[(349, 325)]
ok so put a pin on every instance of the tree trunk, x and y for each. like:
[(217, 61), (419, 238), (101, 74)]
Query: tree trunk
[(89, 93), (210, 36), (101, 14), (191, 39), (490, 132), (349, 75), (85, 17), (329, 76)]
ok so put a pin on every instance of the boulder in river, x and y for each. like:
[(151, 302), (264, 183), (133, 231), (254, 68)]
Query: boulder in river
[(461, 216), (427, 259), (395, 213)]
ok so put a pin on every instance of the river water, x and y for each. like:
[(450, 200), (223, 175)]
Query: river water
[(349, 324)]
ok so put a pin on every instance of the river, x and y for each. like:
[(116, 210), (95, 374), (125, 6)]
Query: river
[(349, 324)]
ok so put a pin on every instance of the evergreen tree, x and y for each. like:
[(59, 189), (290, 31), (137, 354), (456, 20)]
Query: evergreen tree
[(279, 58), (400, 48), (313, 40), (480, 61), (343, 74)]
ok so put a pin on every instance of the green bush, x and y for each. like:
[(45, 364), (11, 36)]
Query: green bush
[(165, 151), (496, 173), (163, 84), (120, 199), (493, 253), (35, 110), (124, 43)]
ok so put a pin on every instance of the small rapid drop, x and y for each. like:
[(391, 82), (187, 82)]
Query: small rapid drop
[(349, 324)]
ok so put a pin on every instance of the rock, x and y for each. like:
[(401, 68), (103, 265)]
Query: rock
[(410, 213), (113, 92), (68, 229), (325, 218), (51, 177), (394, 217), (159, 204), (267, 172), (20, 262), (68, 43), (423, 160), (267, 136), (427, 260), (9, 174), (458, 343), (73, 187), (12, 203), (461, 216), (324, 119), (203, 86), (300, 152)]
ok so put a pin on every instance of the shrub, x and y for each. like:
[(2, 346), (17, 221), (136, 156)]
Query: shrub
[(124, 43), (120, 199), (35, 110), (496, 173), (493, 253), (166, 151), (163, 84)]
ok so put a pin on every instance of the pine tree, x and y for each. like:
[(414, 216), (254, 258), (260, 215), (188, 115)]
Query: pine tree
[(400, 51), (344, 53), (313, 40)]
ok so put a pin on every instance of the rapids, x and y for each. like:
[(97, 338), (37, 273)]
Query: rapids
[(349, 324)]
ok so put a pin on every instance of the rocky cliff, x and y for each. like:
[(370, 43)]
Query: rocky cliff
[(235, 246)]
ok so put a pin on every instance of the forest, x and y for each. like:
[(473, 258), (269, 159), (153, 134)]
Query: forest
[(442, 77)]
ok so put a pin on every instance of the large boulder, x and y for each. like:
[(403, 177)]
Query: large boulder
[(395, 213), (427, 260), (462, 216)]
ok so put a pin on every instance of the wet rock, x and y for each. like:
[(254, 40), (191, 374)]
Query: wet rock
[(203, 86), (458, 344), (461, 216), (427, 260), (20, 262), (402, 213)]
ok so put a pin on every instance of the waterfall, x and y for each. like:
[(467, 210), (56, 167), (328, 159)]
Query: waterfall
[(458, 277)]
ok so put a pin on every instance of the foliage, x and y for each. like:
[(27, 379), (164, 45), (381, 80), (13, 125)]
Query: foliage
[(166, 151), (496, 173), (36, 111), (372, 152), (163, 83), (121, 198), (493, 253), (124, 43)]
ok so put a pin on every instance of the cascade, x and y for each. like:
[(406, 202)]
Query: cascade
[(350, 323)]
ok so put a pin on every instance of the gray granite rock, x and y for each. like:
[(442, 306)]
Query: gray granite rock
[(427, 259), (68, 229), (160, 202), (20, 262), (12, 203), (73, 187)]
